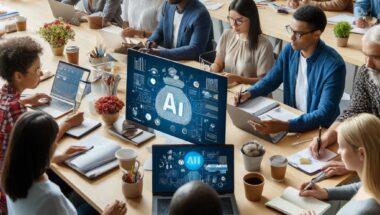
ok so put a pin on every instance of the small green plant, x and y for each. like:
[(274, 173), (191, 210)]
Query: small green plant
[(342, 29), (57, 33)]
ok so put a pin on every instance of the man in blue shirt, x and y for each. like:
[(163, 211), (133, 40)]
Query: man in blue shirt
[(313, 75), (184, 32), (366, 8)]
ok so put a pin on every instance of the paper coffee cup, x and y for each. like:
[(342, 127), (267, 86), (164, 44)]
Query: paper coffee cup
[(278, 164), (127, 158), (72, 54), (21, 23), (253, 186)]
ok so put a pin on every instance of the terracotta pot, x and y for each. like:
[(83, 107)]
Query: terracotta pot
[(341, 42), (57, 51), (110, 119)]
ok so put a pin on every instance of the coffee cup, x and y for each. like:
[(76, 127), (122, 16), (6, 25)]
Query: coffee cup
[(95, 22), (127, 158), (72, 54), (278, 164), (21, 23), (253, 186)]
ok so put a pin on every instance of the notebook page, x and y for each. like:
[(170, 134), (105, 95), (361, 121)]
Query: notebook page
[(103, 152), (258, 106), (307, 203), (278, 113), (284, 206), (87, 125), (315, 164)]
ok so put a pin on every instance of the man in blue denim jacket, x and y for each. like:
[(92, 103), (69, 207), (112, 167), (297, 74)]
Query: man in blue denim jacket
[(313, 75), (184, 32), (366, 8)]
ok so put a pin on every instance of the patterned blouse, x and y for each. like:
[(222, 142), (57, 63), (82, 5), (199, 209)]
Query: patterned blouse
[(365, 97)]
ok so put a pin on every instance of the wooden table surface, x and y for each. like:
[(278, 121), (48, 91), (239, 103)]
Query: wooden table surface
[(106, 188)]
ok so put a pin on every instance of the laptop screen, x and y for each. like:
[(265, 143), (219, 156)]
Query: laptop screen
[(67, 80), (175, 165)]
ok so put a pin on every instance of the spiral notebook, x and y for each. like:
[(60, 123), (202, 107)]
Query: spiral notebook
[(315, 165)]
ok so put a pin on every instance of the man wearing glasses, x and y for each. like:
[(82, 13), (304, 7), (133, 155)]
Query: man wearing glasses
[(365, 98), (313, 75)]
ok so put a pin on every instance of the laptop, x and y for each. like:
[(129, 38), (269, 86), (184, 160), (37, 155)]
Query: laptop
[(240, 119), (175, 165), (65, 11), (64, 89)]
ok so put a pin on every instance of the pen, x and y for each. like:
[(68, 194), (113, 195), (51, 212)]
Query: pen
[(239, 95), (319, 178), (319, 139), (300, 142)]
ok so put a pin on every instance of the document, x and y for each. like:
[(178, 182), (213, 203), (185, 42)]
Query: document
[(259, 105), (98, 160), (311, 166), (292, 204), (348, 18)]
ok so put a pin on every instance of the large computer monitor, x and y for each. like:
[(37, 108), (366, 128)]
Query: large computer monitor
[(176, 99)]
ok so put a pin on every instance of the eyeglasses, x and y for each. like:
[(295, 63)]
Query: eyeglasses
[(297, 34), (237, 22)]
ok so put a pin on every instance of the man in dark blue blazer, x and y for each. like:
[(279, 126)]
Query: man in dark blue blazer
[(184, 32)]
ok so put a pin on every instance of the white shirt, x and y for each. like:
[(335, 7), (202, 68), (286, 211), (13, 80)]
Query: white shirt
[(176, 23), (43, 198), (301, 85), (142, 14)]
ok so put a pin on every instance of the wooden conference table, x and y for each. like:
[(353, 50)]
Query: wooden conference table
[(273, 24), (105, 189)]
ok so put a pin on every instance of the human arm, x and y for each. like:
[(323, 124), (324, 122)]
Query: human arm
[(70, 2), (332, 5), (132, 32), (361, 8), (293, 3), (345, 192), (70, 122), (158, 34), (110, 9), (313, 191), (36, 99)]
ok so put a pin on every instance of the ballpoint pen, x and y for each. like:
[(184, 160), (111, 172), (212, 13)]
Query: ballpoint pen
[(319, 139), (239, 95), (319, 178)]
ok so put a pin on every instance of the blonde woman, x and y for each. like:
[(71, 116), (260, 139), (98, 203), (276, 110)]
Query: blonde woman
[(359, 147)]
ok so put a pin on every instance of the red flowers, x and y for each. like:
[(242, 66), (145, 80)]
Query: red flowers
[(108, 105)]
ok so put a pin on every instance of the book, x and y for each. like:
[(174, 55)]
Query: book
[(292, 204), (86, 127), (259, 105), (313, 165), (100, 159), (6, 13)]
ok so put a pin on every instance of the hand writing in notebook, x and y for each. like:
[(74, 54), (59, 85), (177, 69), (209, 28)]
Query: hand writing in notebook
[(313, 191), (241, 98)]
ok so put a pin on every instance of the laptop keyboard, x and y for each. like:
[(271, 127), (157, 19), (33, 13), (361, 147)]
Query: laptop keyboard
[(226, 205), (60, 105)]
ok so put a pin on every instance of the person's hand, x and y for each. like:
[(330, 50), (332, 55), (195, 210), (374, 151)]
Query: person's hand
[(37, 99), (308, 213), (129, 32), (231, 77), (313, 191), (117, 208), (303, 2), (335, 168), (150, 51), (328, 138), (270, 126), (150, 44), (293, 3), (74, 120), (361, 22), (243, 98), (73, 150)]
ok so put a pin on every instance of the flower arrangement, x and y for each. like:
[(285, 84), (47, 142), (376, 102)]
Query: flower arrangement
[(57, 33), (108, 105)]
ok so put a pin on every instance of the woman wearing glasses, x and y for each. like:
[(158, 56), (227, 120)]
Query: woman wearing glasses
[(243, 53)]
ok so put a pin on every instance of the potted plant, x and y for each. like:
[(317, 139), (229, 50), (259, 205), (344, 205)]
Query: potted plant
[(342, 32), (57, 33), (109, 107), (252, 153)]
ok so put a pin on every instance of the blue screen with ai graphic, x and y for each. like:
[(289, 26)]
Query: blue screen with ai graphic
[(181, 101), (175, 165)]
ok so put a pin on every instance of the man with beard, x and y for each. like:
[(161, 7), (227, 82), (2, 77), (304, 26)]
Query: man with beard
[(184, 32), (365, 98), (313, 75)]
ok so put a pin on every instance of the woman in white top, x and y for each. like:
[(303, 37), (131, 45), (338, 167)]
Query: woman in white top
[(243, 52), (24, 180), (141, 16)]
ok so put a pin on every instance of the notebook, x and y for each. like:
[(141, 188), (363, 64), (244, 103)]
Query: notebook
[(348, 18), (64, 89), (65, 11), (6, 12), (292, 204), (258, 105), (175, 165), (98, 160), (315, 165), (86, 127)]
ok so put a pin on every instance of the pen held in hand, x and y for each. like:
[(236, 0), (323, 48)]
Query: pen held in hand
[(319, 139)]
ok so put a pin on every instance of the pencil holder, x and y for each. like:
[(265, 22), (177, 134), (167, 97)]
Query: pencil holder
[(98, 60), (134, 189)]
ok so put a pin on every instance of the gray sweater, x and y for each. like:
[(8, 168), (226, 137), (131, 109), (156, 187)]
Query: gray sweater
[(353, 207)]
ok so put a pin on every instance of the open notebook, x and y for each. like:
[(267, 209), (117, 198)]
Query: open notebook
[(96, 161), (313, 165), (292, 204)]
